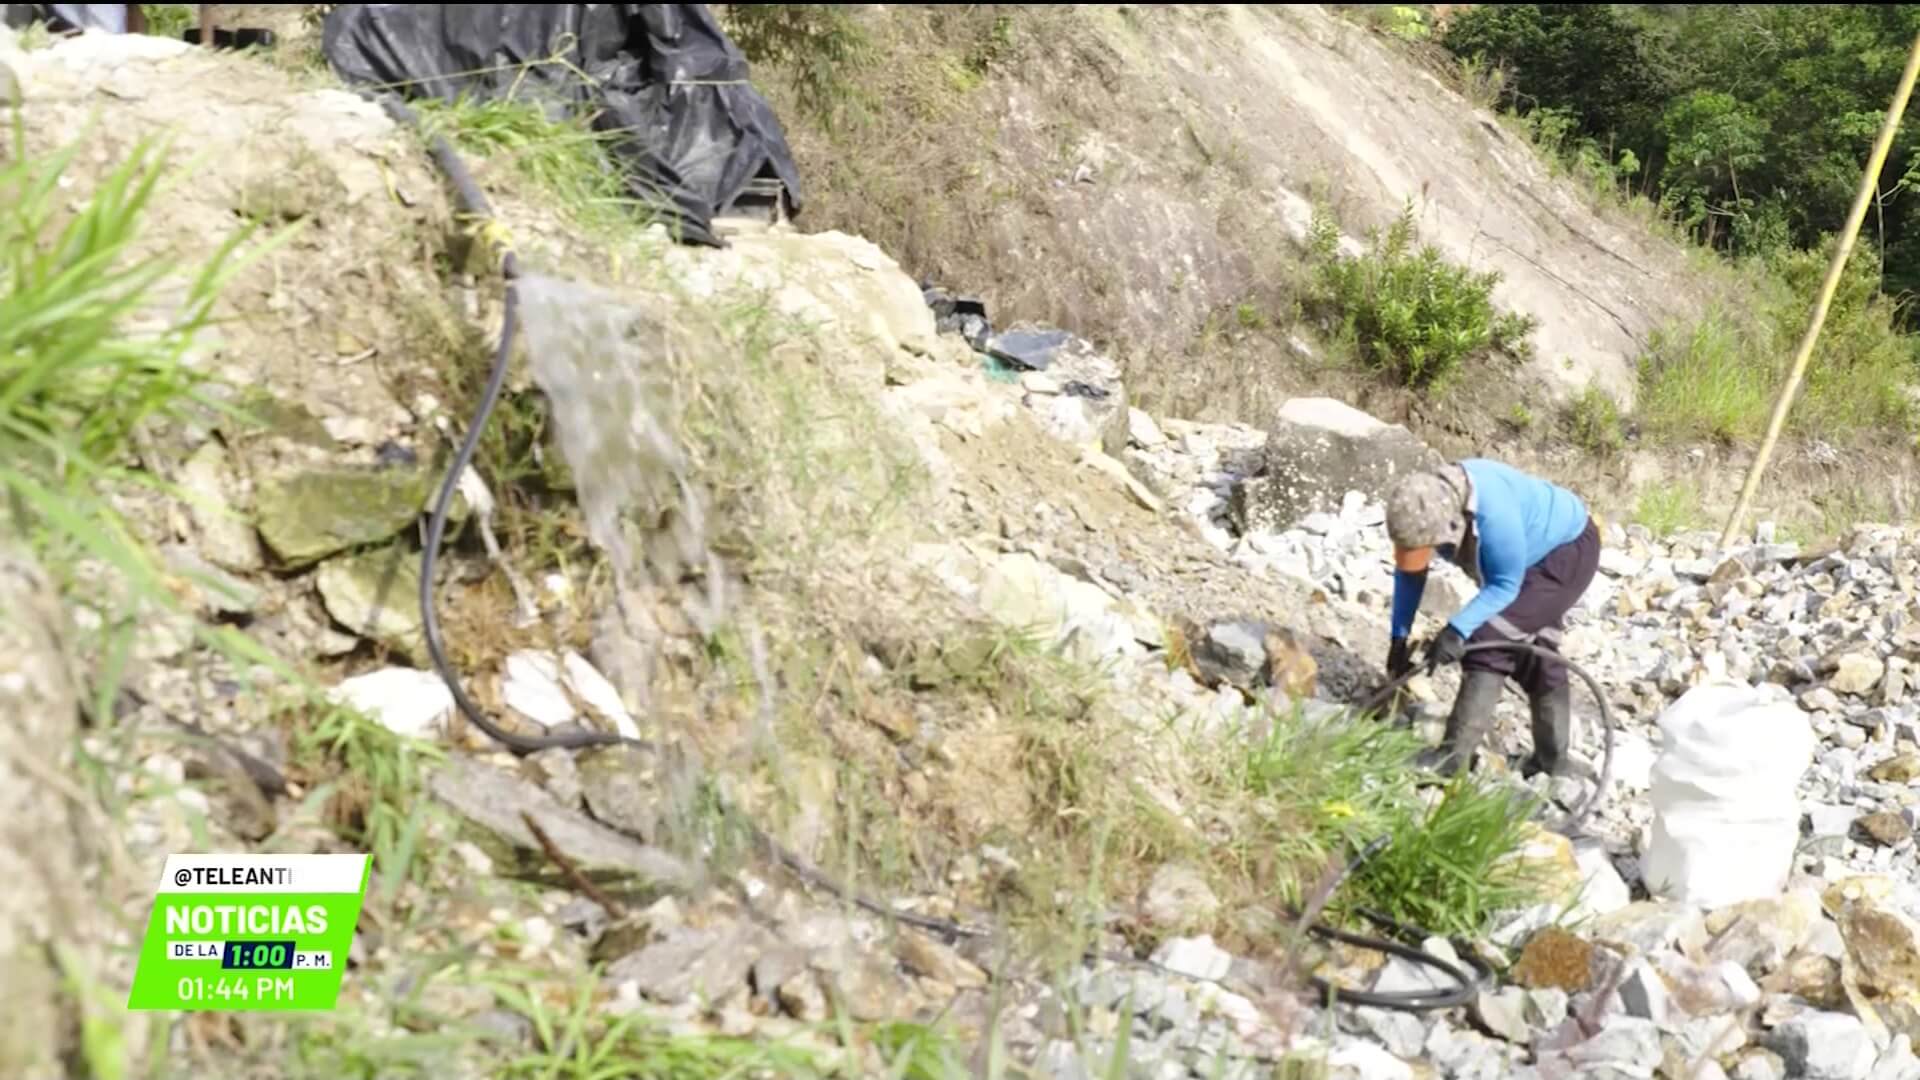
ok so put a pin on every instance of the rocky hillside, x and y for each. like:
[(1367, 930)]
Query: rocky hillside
[(1149, 177), (1057, 685), (1155, 165)]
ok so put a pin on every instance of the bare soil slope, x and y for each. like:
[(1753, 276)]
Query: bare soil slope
[(1143, 175)]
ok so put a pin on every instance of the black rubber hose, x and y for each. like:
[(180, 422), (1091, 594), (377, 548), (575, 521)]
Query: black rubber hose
[(1569, 827), (1464, 989), (473, 202)]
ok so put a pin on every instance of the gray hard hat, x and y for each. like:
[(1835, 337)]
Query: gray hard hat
[(1427, 508)]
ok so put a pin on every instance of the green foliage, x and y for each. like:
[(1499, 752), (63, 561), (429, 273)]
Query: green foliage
[(77, 386), (1718, 378), (1452, 868), (917, 1052), (1749, 124), (1406, 22), (74, 386), (1593, 422), (169, 20), (1410, 313), (381, 787), (1668, 508), (1328, 788), (578, 1041), (565, 159), (820, 48), (1583, 58), (1752, 121)]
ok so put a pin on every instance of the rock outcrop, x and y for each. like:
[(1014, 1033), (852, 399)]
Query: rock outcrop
[(1317, 450), (51, 851)]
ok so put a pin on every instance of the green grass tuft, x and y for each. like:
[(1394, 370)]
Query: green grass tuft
[(1669, 508), (1718, 378), (378, 785), (565, 158), (1326, 788), (75, 383), (1451, 869)]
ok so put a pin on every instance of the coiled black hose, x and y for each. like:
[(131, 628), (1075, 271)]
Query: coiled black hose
[(473, 203)]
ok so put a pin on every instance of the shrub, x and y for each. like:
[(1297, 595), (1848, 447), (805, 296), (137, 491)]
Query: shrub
[(1593, 422), (1408, 312)]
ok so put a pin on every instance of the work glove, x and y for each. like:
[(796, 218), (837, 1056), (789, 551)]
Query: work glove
[(1447, 648), (1398, 662)]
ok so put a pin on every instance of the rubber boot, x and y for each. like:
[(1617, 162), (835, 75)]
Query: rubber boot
[(1552, 728), (1468, 723)]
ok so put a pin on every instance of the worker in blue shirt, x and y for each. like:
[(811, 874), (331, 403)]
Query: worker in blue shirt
[(1532, 547)]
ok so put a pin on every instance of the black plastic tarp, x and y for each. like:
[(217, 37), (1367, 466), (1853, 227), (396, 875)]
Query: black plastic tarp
[(109, 17), (688, 130)]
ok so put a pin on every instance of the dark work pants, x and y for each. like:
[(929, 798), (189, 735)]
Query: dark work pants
[(1552, 585)]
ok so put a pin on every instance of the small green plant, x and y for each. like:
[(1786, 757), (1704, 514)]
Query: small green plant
[(168, 20), (917, 1052), (1407, 23), (1410, 312), (1668, 508), (1520, 416), (379, 778), (1593, 422), (578, 1041)]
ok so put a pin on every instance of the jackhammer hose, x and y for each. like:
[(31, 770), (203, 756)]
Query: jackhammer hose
[(473, 203), (1570, 825)]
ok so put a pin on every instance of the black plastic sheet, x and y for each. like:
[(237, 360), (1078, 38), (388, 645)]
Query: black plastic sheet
[(69, 17), (689, 133)]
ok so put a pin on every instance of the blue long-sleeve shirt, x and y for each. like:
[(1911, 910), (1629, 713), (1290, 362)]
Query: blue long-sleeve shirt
[(1517, 520)]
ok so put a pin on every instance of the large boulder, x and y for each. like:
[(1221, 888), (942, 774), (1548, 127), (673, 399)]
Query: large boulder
[(1318, 450)]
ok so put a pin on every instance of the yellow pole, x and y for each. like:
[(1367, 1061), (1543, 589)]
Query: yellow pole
[(1869, 182)]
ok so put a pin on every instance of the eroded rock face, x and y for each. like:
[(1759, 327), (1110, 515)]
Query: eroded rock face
[(1318, 449), (46, 851)]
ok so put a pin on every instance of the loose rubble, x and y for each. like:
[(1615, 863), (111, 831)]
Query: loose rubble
[(1768, 987)]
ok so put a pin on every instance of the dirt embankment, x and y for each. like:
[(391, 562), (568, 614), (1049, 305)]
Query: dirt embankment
[(1143, 175)]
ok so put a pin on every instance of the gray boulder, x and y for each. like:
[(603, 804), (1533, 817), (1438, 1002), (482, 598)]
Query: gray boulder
[(1318, 449)]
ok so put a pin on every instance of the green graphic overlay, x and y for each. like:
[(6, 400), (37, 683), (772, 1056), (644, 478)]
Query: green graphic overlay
[(250, 933)]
